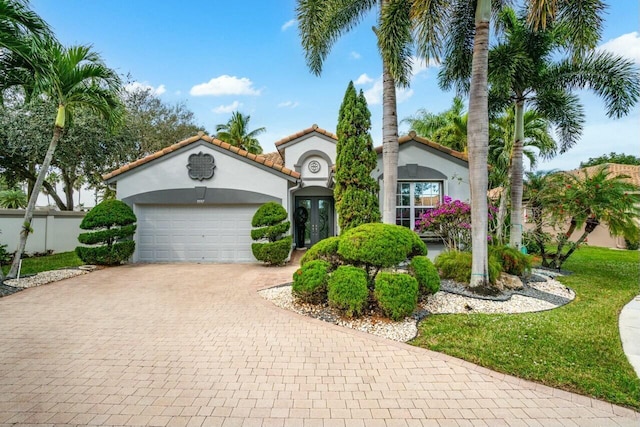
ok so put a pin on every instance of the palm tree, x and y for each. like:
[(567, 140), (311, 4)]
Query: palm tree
[(17, 25), (236, 132), (72, 77), (322, 22), (523, 70), (590, 199), (448, 128)]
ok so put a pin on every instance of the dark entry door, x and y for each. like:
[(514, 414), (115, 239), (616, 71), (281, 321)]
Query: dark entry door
[(319, 224)]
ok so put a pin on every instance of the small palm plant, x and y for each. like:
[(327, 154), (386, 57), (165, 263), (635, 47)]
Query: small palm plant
[(236, 132)]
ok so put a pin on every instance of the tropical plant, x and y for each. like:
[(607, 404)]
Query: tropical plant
[(13, 199), (456, 265), (236, 132), (355, 191), (112, 225), (539, 190), (590, 199), (523, 69), (273, 246), (322, 22), (72, 77), (622, 159), (448, 128)]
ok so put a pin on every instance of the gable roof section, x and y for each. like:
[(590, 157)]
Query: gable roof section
[(313, 128), (259, 159), (426, 142), (615, 169)]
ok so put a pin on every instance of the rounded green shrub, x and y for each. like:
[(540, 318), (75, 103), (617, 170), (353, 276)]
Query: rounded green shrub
[(418, 247), (512, 260), (396, 294), (310, 282), (348, 290), (426, 274), (377, 245), (456, 265), (270, 218), (326, 250), (112, 225), (273, 253)]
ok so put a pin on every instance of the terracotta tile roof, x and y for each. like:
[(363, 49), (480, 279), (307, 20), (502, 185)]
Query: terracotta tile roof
[(267, 159), (274, 157), (304, 132), (414, 137), (633, 171)]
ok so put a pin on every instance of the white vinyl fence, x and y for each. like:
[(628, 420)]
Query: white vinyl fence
[(52, 230)]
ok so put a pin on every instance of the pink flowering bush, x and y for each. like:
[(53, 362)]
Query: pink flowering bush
[(451, 221)]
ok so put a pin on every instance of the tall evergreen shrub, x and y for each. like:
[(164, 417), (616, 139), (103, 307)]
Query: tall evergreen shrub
[(273, 245), (355, 191)]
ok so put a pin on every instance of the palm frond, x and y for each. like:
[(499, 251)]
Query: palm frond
[(395, 40), (456, 67), (565, 111), (431, 19)]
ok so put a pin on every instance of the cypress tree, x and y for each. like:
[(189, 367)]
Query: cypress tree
[(355, 191)]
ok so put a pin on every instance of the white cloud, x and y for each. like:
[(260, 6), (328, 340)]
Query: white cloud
[(288, 24), (363, 80), (288, 104), (355, 55), (223, 109), (419, 66), (135, 86), (627, 45), (373, 95), (225, 85)]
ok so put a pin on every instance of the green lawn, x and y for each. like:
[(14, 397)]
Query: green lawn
[(45, 263), (576, 347)]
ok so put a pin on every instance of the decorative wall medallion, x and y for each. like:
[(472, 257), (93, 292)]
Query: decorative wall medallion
[(314, 166), (201, 166)]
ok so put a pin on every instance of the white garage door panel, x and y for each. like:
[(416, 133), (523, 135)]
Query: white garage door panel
[(195, 233)]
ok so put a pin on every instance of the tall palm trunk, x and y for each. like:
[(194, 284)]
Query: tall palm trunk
[(28, 214), (389, 146), (502, 215), (478, 143), (517, 180)]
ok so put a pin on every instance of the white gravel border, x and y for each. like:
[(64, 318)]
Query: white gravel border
[(439, 303), (44, 278)]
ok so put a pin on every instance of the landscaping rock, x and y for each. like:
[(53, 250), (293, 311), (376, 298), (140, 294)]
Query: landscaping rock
[(508, 281)]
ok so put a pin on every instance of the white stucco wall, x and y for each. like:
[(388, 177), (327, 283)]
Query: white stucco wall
[(296, 151), (171, 172), (457, 183), (52, 230)]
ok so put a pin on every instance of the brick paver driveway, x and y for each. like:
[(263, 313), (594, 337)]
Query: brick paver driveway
[(195, 345)]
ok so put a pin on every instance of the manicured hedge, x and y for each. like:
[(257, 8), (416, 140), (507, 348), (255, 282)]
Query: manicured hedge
[(310, 282), (271, 233), (326, 250), (270, 213), (273, 253), (426, 274), (348, 291), (270, 218), (396, 294), (378, 245)]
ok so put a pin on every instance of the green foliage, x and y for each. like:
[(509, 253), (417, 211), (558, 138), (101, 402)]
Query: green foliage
[(113, 254), (109, 213), (271, 213), (355, 190), (271, 218), (13, 199), (418, 247), (377, 245), (270, 233), (632, 244), (112, 222), (37, 264), (348, 291), (426, 274), (326, 250), (273, 253), (396, 294), (622, 159), (5, 256), (310, 282), (512, 260), (236, 132), (533, 241), (456, 265)]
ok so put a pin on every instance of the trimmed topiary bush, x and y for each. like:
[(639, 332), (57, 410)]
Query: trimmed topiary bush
[(456, 265), (113, 225), (348, 291), (396, 294), (513, 261), (326, 250), (270, 220), (377, 245), (418, 247), (310, 282), (426, 274)]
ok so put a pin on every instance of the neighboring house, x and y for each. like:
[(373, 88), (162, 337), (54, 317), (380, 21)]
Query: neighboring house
[(195, 199)]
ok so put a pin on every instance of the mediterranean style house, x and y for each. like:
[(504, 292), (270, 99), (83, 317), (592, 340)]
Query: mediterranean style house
[(195, 199)]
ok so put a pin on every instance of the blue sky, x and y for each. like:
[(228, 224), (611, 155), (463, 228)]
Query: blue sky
[(219, 56)]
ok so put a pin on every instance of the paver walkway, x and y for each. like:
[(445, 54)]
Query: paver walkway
[(195, 345)]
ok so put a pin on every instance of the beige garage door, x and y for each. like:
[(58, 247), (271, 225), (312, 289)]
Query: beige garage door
[(197, 233)]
